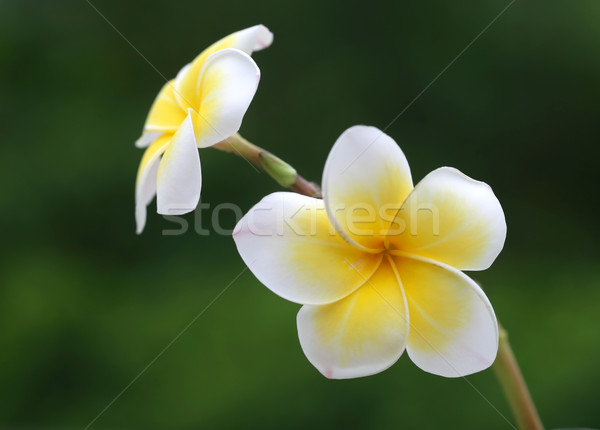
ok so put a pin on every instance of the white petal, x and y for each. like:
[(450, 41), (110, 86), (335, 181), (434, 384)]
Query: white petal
[(454, 219), (453, 328), (366, 180), (179, 174), (287, 242), (360, 335), (147, 138), (145, 187), (228, 82)]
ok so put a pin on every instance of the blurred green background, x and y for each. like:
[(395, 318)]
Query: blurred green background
[(85, 304)]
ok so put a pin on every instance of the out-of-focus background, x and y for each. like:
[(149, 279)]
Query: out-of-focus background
[(86, 305)]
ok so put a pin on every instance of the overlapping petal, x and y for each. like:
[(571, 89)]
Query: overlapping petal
[(451, 218), (179, 175), (289, 245), (360, 335), (165, 114), (453, 328), (164, 118), (365, 181), (145, 187), (227, 85), (248, 40)]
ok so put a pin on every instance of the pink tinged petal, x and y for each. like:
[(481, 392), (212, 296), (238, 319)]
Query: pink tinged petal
[(360, 335), (253, 39), (288, 244), (179, 174), (451, 218), (228, 82), (145, 187), (453, 328), (366, 180)]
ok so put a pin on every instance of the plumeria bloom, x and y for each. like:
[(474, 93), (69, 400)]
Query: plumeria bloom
[(201, 107), (377, 263)]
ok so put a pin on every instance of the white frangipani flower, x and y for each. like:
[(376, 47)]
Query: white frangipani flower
[(377, 263), (201, 107)]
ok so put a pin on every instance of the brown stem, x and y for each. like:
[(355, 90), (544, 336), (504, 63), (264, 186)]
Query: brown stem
[(302, 186), (278, 169), (514, 386)]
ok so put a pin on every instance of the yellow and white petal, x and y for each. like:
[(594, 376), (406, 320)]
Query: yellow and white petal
[(453, 328), (366, 180), (454, 219), (227, 85), (145, 187), (361, 335), (287, 242), (248, 40), (165, 114), (179, 175)]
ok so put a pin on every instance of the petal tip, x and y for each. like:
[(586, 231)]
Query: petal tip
[(140, 219), (147, 138), (264, 37)]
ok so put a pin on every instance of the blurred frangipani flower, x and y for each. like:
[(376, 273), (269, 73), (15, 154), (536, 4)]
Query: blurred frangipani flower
[(377, 264), (202, 106)]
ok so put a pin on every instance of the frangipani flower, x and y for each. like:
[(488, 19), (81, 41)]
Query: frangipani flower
[(377, 263), (201, 107)]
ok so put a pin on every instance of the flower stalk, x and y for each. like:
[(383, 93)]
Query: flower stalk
[(514, 386), (283, 173)]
